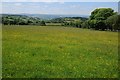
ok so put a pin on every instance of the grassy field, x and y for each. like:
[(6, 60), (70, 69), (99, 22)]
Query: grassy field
[(53, 24), (58, 52)]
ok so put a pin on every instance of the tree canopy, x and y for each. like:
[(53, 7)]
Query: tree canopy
[(101, 13), (104, 19)]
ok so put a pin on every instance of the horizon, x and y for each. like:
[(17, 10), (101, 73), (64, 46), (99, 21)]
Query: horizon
[(55, 8), (42, 14)]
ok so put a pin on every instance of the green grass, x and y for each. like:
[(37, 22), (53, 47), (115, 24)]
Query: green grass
[(53, 24), (58, 52)]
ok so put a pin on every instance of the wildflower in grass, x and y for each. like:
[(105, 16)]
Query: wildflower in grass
[(79, 64), (107, 64), (97, 48)]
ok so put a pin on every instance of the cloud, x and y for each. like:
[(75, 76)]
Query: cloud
[(46, 6), (43, 0), (60, 1), (73, 6), (17, 4), (29, 0)]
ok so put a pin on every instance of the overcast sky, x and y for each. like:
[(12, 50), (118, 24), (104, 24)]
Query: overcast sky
[(54, 7)]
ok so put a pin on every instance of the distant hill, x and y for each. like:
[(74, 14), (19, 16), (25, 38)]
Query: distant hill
[(52, 16), (49, 16)]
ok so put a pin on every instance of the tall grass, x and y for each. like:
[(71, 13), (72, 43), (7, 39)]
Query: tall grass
[(58, 52)]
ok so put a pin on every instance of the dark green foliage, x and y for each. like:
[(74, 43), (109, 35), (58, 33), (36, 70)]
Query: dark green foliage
[(101, 13), (74, 21), (97, 24), (80, 18), (68, 21), (100, 25), (98, 17), (73, 24), (21, 20), (78, 24), (92, 24), (57, 20), (113, 22), (42, 23), (103, 19), (85, 24)]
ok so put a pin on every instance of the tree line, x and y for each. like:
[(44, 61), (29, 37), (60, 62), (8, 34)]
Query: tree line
[(103, 19), (21, 20), (100, 19), (65, 19)]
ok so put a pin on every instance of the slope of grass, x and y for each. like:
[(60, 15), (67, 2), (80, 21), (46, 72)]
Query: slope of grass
[(58, 52)]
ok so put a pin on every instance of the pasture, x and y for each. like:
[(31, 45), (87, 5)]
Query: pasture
[(58, 52)]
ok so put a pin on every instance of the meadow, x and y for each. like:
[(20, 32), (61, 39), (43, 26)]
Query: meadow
[(58, 52)]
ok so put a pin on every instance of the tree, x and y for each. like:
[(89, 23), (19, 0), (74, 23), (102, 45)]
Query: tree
[(100, 25), (98, 18), (21, 20), (42, 23), (101, 13), (113, 22), (85, 24), (78, 24), (92, 24)]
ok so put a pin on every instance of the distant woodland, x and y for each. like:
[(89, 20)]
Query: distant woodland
[(100, 19)]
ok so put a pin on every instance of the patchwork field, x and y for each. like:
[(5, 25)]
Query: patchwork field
[(58, 52)]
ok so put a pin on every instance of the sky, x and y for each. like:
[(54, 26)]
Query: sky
[(49, 7), (60, 0)]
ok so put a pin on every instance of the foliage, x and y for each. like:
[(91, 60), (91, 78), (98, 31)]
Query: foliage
[(113, 22), (101, 13), (100, 19), (103, 19), (68, 21), (21, 20), (57, 20), (85, 24)]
